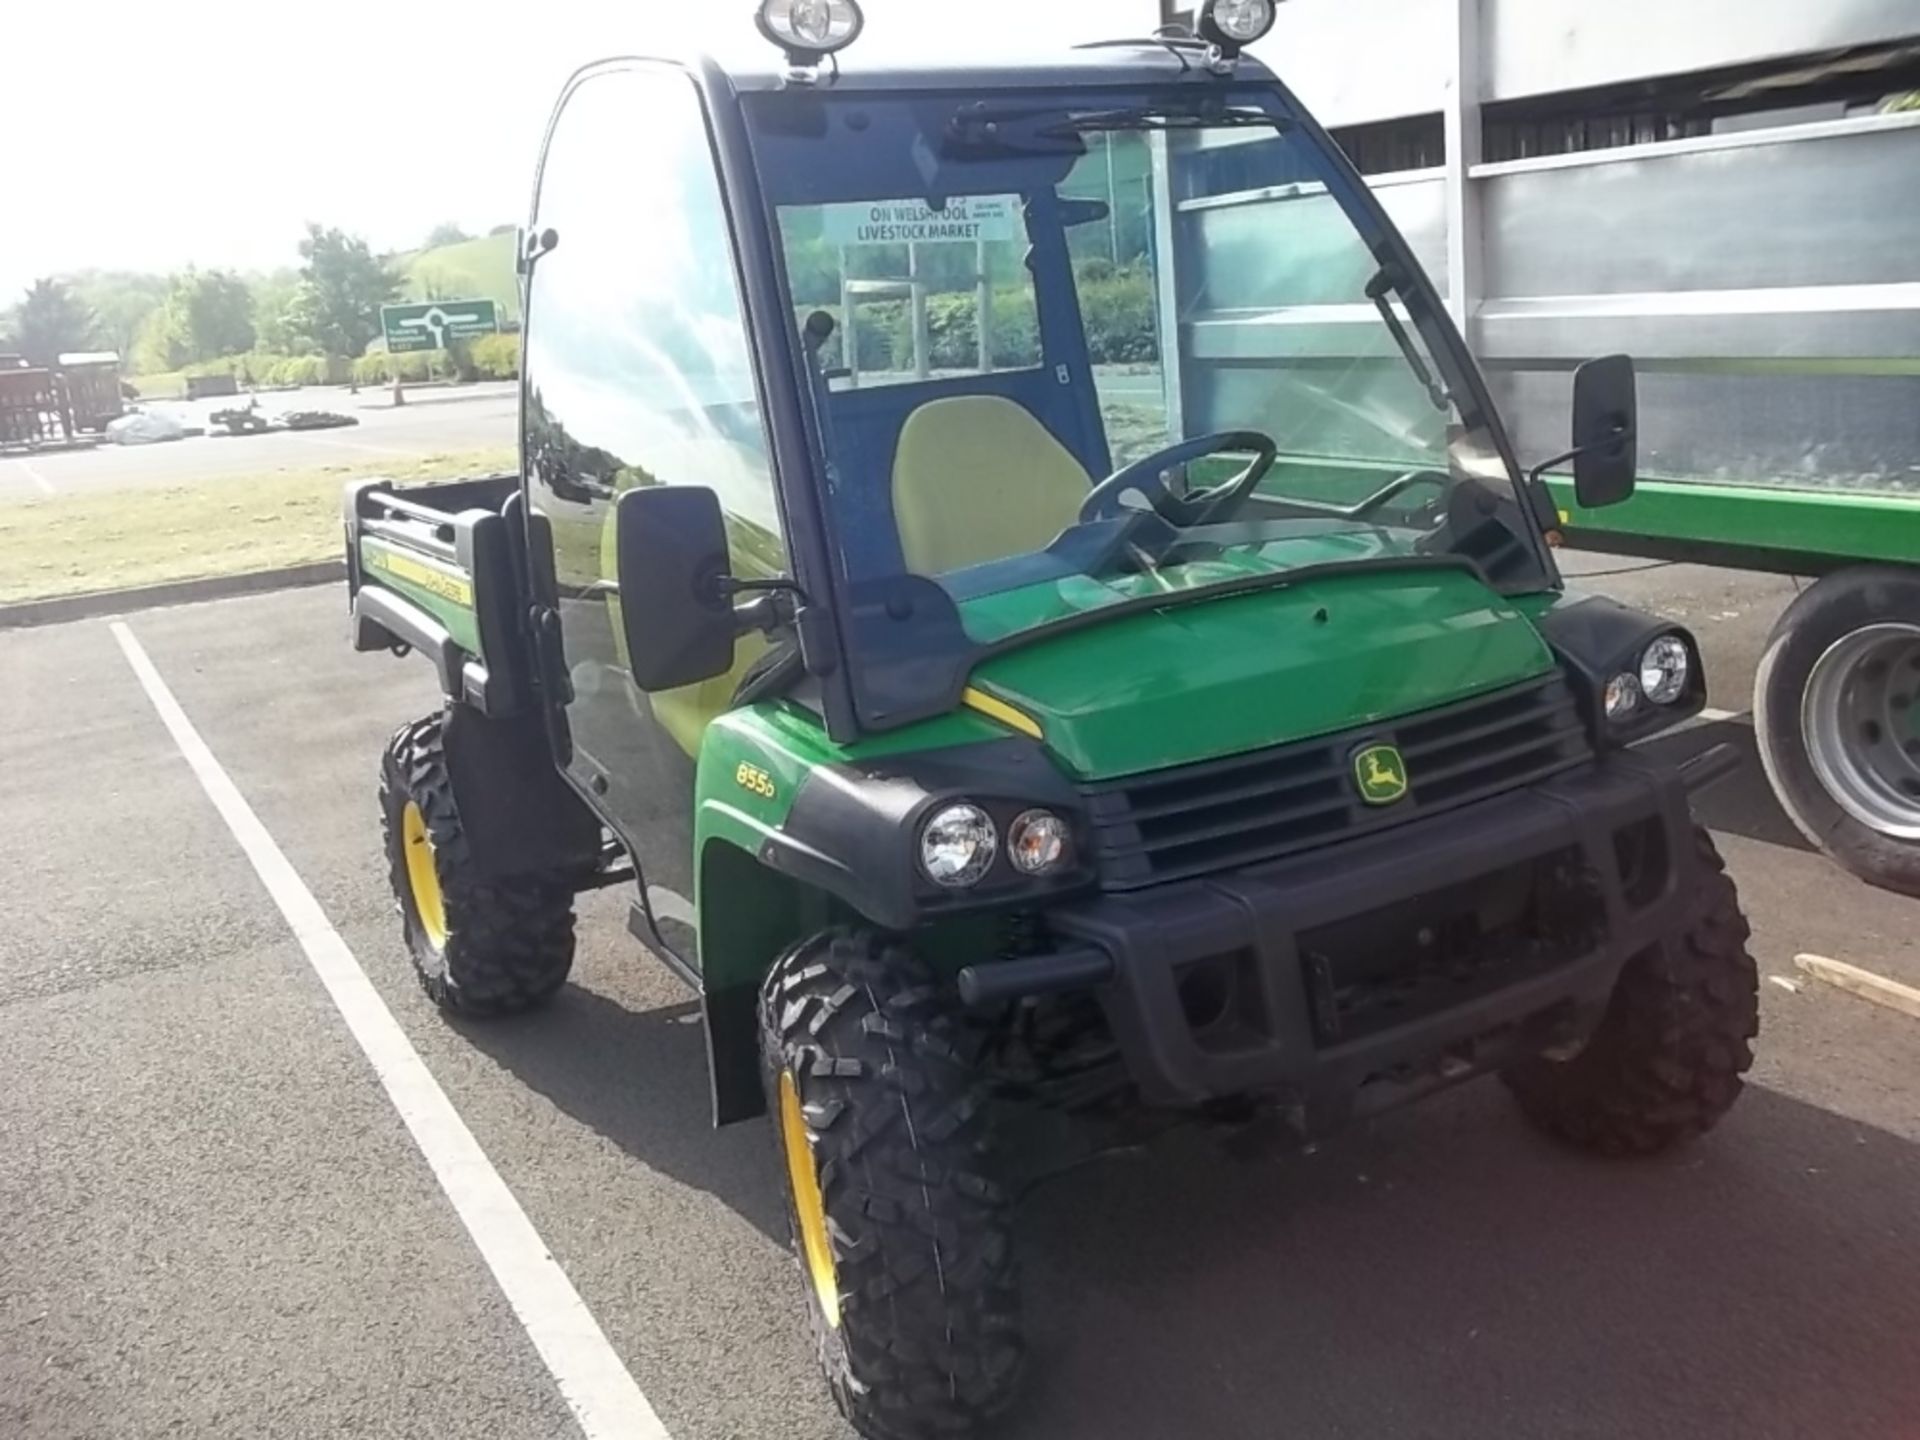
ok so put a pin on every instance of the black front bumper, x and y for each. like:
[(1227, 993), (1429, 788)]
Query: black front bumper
[(1363, 974)]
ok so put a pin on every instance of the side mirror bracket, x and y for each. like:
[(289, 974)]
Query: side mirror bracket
[(773, 604)]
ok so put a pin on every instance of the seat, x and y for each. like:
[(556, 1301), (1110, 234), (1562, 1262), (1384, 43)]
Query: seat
[(978, 478)]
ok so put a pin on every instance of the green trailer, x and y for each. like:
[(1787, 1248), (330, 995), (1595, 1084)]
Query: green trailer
[(972, 728), (1725, 190), (1836, 700)]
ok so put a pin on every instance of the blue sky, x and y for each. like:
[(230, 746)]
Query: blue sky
[(209, 134)]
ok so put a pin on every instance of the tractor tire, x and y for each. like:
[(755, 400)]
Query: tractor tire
[(481, 946), (1666, 1061), (901, 1230)]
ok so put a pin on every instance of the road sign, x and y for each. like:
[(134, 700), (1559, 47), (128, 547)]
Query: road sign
[(896, 222), (430, 324)]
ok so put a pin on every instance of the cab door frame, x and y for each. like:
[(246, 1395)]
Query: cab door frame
[(652, 820)]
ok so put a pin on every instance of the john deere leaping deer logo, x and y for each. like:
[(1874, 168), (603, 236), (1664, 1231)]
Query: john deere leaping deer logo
[(1380, 774)]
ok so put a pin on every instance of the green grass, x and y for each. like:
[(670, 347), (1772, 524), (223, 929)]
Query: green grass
[(472, 270), (79, 544), (168, 385)]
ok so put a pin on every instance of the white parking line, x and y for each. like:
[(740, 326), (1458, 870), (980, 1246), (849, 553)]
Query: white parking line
[(598, 1389), (41, 483), (1711, 716)]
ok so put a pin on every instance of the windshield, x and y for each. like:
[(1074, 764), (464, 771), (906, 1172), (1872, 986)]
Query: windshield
[(1066, 359)]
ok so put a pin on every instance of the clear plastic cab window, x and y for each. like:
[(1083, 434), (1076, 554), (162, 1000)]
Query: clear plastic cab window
[(932, 292)]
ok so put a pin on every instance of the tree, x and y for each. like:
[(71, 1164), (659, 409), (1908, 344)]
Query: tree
[(430, 282), (121, 301), (447, 233), (155, 347), (273, 297), (342, 287), (209, 315), (50, 322)]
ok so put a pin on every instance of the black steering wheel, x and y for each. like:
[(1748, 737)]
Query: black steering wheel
[(1185, 511)]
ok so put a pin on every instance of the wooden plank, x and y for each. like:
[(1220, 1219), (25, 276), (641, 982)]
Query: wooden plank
[(1864, 983)]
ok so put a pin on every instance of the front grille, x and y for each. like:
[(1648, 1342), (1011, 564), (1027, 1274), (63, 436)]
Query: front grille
[(1432, 952), (1221, 814)]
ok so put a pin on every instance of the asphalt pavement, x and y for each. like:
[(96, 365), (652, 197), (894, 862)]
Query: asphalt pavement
[(434, 421), (213, 1222)]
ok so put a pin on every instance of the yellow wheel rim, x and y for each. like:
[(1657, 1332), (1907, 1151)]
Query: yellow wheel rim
[(808, 1203), (423, 880)]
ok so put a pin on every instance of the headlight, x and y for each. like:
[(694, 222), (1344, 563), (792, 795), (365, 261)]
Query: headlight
[(1623, 696), (1038, 843), (811, 27), (957, 845), (1235, 22), (1665, 670)]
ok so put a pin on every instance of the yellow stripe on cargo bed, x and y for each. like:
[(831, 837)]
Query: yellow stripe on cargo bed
[(414, 571)]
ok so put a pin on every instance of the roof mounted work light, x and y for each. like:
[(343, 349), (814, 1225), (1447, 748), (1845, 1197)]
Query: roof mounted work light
[(810, 30), (1232, 25)]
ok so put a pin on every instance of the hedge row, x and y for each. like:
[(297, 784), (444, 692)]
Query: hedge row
[(491, 357), (496, 357), (1118, 312), (261, 369)]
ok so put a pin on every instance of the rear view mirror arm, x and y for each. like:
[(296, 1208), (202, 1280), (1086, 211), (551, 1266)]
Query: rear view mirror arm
[(773, 604), (1620, 436)]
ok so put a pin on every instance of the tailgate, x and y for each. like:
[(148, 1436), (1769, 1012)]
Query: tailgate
[(432, 567)]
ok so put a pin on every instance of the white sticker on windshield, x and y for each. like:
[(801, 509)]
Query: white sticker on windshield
[(967, 218)]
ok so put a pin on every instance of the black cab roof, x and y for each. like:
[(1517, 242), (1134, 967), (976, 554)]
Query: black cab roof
[(863, 68)]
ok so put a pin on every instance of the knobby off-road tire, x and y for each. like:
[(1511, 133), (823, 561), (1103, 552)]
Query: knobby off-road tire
[(480, 946), (908, 1256), (1666, 1062)]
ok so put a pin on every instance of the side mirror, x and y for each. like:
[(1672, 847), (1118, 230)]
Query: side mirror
[(675, 609), (1606, 415)]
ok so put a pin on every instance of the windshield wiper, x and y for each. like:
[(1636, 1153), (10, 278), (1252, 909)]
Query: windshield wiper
[(1051, 129), (1387, 280), (1144, 117)]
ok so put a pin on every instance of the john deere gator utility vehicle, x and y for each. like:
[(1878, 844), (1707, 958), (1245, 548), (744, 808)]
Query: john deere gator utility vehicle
[(1014, 569)]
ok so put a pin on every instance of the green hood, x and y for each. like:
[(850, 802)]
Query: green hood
[(1218, 677)]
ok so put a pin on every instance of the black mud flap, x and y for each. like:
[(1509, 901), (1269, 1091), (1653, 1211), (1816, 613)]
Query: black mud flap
[(519, 815), (733, 1053)]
